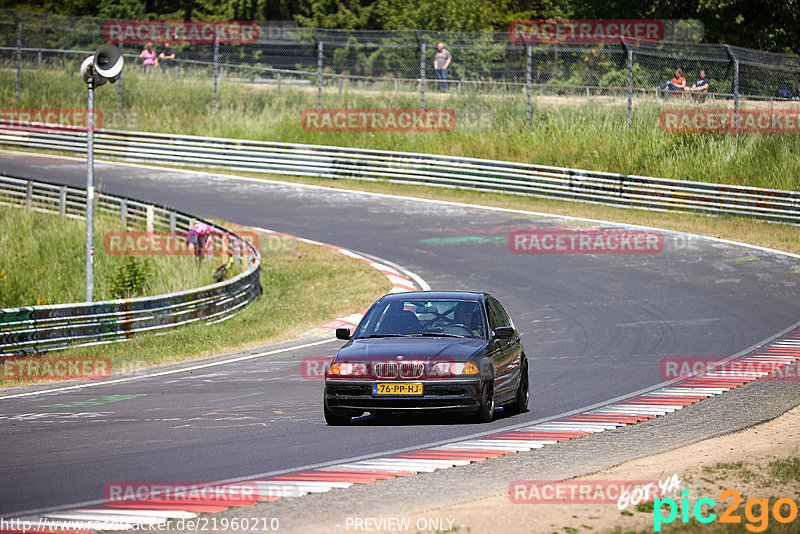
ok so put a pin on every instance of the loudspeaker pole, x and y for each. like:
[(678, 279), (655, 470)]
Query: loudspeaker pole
[(104, 66), (90, 194)]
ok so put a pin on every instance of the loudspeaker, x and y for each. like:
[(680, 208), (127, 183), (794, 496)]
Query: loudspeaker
[(87, 72), (104, 66), (108, 62)]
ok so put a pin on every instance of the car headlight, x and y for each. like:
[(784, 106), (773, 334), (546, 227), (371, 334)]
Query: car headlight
[(347, 369), (452, 369)]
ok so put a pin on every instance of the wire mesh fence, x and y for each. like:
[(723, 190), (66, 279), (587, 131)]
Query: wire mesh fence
[(280, 55)]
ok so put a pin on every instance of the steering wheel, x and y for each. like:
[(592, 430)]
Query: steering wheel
[(440, 322), (458, 326)]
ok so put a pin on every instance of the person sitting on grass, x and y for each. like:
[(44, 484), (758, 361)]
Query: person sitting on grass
[(700, 87), (676, 84)]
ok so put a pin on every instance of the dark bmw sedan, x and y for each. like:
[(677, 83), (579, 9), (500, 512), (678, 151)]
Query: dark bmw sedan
[(428, 351)]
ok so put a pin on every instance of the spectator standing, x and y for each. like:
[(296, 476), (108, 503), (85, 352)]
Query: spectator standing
[(148, 57), (677, 83), (198, 235), (441, 62), (167, 57)]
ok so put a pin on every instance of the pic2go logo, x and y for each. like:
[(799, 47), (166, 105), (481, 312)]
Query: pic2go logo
[(783, 510)]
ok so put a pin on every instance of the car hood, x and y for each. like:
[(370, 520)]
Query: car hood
[(412, 348)]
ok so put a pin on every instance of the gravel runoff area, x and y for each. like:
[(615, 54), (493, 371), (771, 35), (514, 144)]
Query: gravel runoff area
[(436, 495)]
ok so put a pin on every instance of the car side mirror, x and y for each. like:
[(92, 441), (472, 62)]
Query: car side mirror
[(343, 333), (504, 332)]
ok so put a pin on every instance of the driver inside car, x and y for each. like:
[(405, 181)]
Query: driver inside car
[(466, 314)]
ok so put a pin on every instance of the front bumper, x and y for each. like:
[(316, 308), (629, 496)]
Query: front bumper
[(456, 395)]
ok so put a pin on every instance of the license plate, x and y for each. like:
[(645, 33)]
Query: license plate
[(414, 388)]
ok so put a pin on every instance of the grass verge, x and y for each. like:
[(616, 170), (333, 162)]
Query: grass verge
[(43, 262), (304, 285), (566, 131)]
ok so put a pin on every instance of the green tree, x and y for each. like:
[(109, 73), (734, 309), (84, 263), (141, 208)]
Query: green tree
[(772, 25), (442, 15), (335, 14), (121, 9), (526, 10)]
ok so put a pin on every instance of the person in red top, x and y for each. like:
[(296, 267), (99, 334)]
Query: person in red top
[(197, 236), (678, 83)]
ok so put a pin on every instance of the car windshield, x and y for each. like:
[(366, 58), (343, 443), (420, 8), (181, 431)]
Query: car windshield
[(446, 318)]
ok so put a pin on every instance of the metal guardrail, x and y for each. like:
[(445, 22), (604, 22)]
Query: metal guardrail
[(36, 329), (622, 190)]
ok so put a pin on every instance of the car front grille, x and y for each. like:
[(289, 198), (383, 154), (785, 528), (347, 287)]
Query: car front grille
[(401, 369), (411, 369), (385, 370)]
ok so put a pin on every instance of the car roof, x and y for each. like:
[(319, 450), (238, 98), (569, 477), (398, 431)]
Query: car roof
[(437, 295)]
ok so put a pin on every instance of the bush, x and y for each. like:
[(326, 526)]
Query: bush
[(131, 278), (619, 77)]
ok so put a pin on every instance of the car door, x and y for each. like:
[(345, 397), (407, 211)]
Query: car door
[(501, 352), (516, 340)]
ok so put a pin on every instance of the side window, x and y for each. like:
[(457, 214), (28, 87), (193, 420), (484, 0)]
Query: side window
[(494, 317), (504, 316)]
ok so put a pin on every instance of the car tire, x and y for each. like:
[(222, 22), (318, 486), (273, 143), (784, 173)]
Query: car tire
[(334, 419), (485, 413), (522, 397)]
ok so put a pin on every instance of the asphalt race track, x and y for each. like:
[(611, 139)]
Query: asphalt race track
[(595, 327)]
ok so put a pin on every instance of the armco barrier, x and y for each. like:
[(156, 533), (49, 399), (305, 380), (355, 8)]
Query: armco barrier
[(445, 171), (37, 329)]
